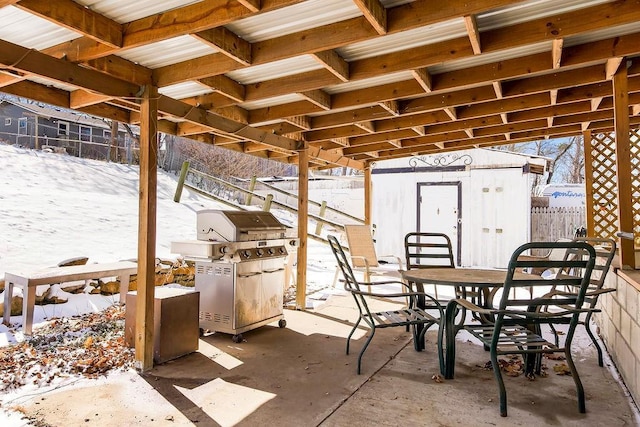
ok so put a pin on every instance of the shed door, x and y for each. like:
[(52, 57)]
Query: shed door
[(440, 211)]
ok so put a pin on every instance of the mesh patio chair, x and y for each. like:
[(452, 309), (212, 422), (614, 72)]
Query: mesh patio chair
[(363, 257), (407, 316), (516, 326)]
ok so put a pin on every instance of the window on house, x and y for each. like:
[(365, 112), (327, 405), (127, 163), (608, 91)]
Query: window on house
[(85, 133), (7, 122), (22, 126), (63, 128), (106, 135)]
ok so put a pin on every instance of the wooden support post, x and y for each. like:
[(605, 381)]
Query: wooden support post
[(181, 179), (252, 186), (367, 194), (623, 164), (267, 203), (588, 183), (303, 218), (323, 209), (147, 228)]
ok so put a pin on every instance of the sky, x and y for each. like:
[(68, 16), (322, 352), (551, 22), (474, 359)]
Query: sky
[(55, 207)]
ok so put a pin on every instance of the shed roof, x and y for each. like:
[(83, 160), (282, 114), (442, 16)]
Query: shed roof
[(354, 80)]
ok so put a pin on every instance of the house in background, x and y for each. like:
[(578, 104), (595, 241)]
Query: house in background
[(39, 126), (480, 198)]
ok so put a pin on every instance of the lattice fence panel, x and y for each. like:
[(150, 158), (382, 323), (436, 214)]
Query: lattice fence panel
[(634, 138), (605, 185)]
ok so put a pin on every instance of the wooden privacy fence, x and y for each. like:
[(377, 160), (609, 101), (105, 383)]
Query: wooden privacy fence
[(551, 224)]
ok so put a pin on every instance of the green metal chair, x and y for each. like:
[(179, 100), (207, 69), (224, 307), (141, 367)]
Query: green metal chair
[(407, 316), (605, 251), (517, 320)]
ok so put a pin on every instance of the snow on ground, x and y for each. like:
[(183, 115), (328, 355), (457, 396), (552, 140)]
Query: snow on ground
[(54, 207)]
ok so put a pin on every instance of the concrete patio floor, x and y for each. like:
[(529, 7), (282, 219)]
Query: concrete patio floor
[(300, 376)]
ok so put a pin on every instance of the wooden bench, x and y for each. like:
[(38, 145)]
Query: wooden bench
[(28, 282)]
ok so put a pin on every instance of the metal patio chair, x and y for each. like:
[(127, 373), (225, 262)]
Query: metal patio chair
[(433, 250), (605, 251), (406, 316), (516, 326), (363, 257)]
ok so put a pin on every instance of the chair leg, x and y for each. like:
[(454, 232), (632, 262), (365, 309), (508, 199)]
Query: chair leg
[(450, 339), (352, 331), (576, 378), (502, 391), (366, 344), (587, 325)]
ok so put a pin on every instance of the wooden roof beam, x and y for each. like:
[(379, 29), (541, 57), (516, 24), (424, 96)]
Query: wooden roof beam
[(553, 95), (33, 62), (423, 78), (252, 5), (333, 63), (368, 126), (81, 98), (474, 34), (200, 116), (302, 122), (335, 158), (497, 87), (392, 106), (612, 66), (228, 43), (78, 18), (556, 53), (225, 86), (318, 97), (375, 13)]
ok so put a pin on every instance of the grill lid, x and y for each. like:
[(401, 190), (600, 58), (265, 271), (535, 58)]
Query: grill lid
[(219, 225)]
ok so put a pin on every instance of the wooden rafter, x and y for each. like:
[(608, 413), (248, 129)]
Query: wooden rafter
[(474, 34)]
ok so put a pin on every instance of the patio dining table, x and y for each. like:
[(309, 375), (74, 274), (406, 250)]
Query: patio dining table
[(486, 281)]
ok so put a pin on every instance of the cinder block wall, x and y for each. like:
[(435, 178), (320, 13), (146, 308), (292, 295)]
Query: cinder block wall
[(619, 325)]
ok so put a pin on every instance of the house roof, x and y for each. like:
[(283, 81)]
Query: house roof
[(355, 81)]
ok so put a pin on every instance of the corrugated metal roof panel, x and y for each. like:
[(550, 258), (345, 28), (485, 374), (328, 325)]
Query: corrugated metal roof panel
[(407, 39), (33, 32), (52, 83), (167, 52), (270, 102), (309, 14), (526, 11), (487, 58), (602, 34), (274, 70), (127, 11), (184, 90), (366, 83)]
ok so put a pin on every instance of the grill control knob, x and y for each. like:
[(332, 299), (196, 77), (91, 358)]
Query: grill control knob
[(224, 249), (270, 251), (246, 254), (259, 252), (281, 250)]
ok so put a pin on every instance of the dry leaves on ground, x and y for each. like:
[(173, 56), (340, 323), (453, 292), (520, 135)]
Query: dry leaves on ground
[(87, 345)]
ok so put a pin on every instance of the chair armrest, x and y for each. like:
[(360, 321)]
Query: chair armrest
[(397, 294), (398, 260), (469, 306)]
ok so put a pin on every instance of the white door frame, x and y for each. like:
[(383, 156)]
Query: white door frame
[(458, 186)]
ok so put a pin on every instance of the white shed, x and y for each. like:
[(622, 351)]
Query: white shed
[(480, 198)]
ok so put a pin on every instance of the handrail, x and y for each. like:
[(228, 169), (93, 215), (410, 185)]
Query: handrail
[(313, 202), (282, 205)]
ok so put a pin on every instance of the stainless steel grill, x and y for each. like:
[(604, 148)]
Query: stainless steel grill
[(240, 269)]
